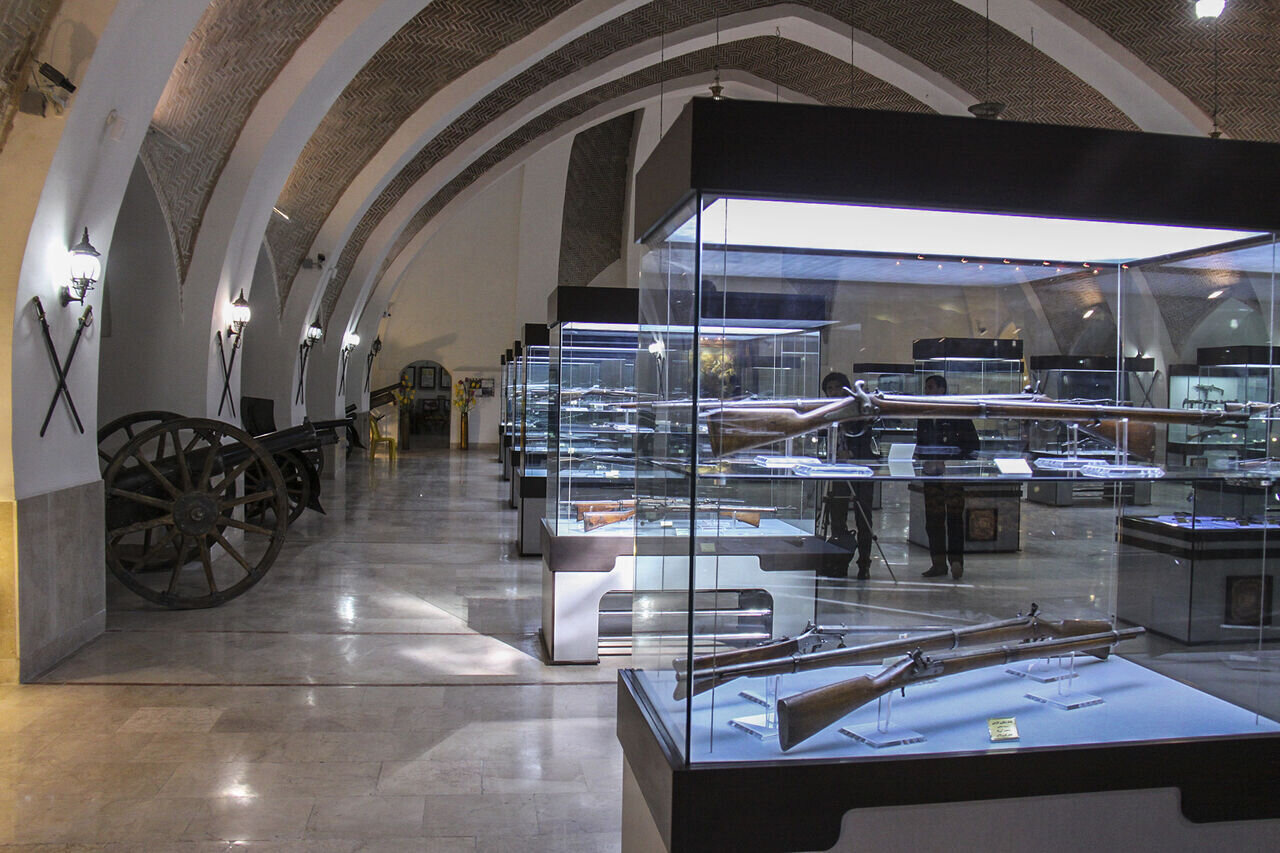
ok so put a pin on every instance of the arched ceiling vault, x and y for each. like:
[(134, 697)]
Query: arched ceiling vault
[(455, 83)]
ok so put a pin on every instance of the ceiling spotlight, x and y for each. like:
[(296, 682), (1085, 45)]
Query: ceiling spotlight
[(1210, 8)]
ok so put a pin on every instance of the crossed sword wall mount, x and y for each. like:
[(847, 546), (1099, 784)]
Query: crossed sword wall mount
[(227, 397), (61, 368)]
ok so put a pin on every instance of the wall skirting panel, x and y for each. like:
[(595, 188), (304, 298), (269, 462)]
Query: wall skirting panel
[(61, 575)]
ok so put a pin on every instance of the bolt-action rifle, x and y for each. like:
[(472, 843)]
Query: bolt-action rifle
[(733, 427), (803, 715), (710, 671)]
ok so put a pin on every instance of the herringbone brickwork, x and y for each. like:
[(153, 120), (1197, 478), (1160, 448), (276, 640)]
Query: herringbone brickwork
[(1182, 296), (595, 196), (231, 57), (1166, 36), (23, 24), (940, 33), (796, 66), (1065, 301), (445, 40)]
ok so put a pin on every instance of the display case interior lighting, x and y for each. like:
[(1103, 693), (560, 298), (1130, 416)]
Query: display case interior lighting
[(240, 315), (86, 267), (853, 228), (1210, 8)]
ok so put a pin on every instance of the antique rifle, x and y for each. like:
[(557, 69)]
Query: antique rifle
[(581, 508), (1023, 629), (733, 427), (803, 715), (746, 514)]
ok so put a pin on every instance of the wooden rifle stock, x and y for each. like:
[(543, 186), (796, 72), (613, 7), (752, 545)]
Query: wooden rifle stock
[(581, 508), (803, 715), (593, 520), (1023, 629)]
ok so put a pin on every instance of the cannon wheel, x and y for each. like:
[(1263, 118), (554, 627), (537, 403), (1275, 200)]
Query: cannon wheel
[(170, 500), (297, 484), (125, 428)]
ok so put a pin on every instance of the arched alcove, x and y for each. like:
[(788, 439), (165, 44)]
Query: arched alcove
[(424, 419), (141, 308)]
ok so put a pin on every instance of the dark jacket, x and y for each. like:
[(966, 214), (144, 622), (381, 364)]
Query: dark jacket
[(946, 438)]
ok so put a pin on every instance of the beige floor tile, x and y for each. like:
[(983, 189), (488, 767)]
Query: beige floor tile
[(422, 778), (166, 720), (366, 817), (466, 814), (250, 818)]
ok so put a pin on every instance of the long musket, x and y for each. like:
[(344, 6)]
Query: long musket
[(746, 514), (1023, 629), (734, 428), (803, 715)]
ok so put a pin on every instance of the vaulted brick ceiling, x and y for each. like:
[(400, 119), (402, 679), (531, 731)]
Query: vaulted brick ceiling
[(240, 46)]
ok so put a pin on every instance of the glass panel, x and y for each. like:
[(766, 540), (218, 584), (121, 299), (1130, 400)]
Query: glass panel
[(592, 486), (805, 479), (534, 399)]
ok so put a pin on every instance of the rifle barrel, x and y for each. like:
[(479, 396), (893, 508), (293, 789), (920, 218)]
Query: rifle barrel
[(803, 715), (1022, 628), (734, 428)]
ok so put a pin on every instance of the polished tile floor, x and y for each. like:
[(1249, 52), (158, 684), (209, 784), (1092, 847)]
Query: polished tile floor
[(380, 690)]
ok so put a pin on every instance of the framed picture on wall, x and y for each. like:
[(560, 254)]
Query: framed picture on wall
[(427, 378)]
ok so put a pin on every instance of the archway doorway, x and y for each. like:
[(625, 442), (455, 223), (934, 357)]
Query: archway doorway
[(424, 422)]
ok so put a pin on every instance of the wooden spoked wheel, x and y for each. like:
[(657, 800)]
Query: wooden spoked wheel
[(297, 483), (178, 532), (118, 433)]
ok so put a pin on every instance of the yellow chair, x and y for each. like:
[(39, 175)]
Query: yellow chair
[(376, 438)]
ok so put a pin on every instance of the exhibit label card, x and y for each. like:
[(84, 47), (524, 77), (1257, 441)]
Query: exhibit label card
[(1013, 466), (1002, 728)]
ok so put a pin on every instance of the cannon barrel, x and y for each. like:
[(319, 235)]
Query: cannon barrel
[(229, 456)]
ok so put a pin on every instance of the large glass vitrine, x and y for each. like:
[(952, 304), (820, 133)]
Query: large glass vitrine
[(1079, 640), (529, 468)]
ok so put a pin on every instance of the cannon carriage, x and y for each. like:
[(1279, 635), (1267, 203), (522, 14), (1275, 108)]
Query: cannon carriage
[(197, 509)]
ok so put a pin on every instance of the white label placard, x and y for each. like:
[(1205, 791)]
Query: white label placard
[(1013, 465)]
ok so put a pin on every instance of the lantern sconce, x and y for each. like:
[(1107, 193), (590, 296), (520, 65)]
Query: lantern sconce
[(349, 344), (235, 330), (86, 266), (314, 333), (240, 315)]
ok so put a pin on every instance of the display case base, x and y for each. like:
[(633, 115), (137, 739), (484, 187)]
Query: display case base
[(1147, 796), (756, 725), (1067, 701), (872, 735)]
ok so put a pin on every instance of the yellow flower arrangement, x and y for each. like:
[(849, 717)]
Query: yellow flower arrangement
[(464, 396), (403, 394)]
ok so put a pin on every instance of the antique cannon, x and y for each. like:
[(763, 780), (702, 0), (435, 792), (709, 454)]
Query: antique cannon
[(178, 531)]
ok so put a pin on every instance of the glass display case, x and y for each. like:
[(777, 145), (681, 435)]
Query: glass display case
[(1085, 378), (765, 348), (1025, 666), (529, 469), (509, 376)]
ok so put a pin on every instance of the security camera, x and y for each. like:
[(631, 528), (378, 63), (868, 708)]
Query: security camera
[(56, 77), (320, 258)]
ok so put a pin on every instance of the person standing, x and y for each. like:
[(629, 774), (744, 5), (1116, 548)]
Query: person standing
[(939, 439), (855, 443)]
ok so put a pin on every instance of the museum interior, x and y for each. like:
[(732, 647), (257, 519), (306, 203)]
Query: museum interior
[(650, 426)]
